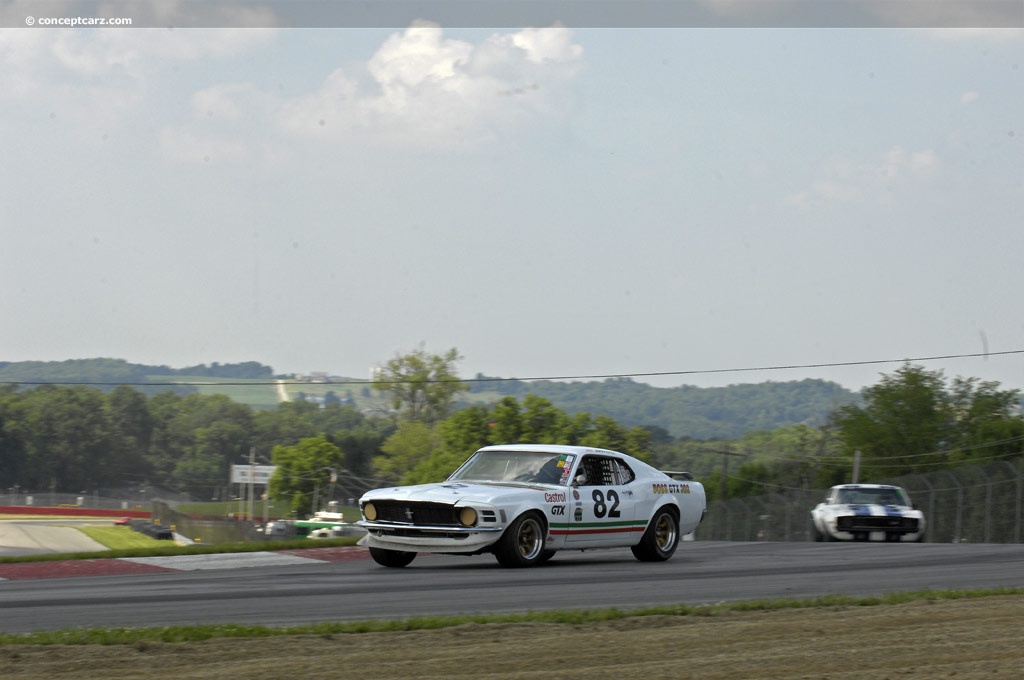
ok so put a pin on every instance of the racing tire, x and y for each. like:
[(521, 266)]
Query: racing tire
[(661, 538), (392, 558), (547, 555), (522, 544)]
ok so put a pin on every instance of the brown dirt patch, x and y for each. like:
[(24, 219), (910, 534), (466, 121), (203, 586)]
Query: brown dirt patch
[(69, 568), (963, 639)]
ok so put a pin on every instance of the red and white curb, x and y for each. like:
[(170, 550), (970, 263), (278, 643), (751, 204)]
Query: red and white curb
[(147, 565)]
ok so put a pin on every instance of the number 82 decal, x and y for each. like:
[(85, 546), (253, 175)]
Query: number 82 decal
[(601, 508)]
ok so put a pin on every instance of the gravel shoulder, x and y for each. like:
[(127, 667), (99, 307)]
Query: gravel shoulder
[(965, 639)]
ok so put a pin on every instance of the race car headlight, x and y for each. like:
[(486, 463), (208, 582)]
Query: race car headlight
[(369, 512), (467, 517)]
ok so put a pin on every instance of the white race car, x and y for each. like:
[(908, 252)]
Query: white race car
[(867, 512), (524, 502)]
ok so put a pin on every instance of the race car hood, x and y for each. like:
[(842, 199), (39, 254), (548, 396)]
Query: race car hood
[(463, 492)]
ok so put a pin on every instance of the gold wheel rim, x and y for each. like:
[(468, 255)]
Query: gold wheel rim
[(664, 533), (529, 539)]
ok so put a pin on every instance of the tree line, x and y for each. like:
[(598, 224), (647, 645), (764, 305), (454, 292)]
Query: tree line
[(82, 439), (685, 411), (912, 421)]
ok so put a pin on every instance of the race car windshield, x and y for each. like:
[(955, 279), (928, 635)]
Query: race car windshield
[(872, 497), (515, 466)]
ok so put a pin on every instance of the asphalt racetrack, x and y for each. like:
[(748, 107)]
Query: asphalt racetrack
[(358, 589), (40, 537)]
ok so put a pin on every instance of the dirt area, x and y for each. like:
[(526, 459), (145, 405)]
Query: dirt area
[(963, 639)]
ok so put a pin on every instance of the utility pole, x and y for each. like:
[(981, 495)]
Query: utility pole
[(252, 478), (725, 468)]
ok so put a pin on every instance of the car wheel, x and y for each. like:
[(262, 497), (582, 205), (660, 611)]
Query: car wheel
[(547, 555), (815, 534), (391, 558), (661, 539), (522, 544)]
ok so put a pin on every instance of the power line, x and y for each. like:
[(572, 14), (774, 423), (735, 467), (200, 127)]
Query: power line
[(708, 371), (887, 462)]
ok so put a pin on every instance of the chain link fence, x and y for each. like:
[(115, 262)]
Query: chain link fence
[(50, 499), (207, 530), (975, 504)]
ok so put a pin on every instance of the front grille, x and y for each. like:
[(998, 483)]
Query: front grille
[(422, 514), (420, 533), (855, 523)]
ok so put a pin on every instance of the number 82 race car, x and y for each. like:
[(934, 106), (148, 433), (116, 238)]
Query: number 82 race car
[(525, 502)]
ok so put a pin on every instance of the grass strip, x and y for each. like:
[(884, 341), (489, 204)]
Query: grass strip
[(181, 634), (118, 538)]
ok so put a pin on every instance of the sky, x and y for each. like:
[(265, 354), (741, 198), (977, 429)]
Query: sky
[(554, 201)]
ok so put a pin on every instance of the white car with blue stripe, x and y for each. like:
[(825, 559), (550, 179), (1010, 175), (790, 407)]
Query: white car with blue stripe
[(867, 512), (524, 502)]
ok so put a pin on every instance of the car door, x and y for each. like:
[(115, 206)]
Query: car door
[(603, 508)]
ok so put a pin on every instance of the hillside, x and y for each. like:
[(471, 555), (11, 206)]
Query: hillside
[(685, 411), (106, 374)]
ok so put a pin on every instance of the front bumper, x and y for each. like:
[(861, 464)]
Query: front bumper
[(879, 529), (413, 538), (861, 527)]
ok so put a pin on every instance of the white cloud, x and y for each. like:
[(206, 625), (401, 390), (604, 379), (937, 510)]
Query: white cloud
[(897, 164), (968, 97), (224, 102), (417, 56), (845, 181), (185, 145), (547, 44), (419, 89), (425, 90), (98, 78)]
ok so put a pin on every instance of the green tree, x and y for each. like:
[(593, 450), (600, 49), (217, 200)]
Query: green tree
[(506, 422), (459, 436), (986, 420), (911, 422), (130, 416), (206, 463), (197, 438), (421, 386), (12, 444), (411, 444), (361, 445), (543, 423), (305, 473), (286, 424), (133, 425), (67, 433), (537, 422)]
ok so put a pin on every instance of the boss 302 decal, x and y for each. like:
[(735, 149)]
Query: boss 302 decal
[(670, 488)]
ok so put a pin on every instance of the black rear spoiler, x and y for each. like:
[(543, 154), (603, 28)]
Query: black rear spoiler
[(678, 475)]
